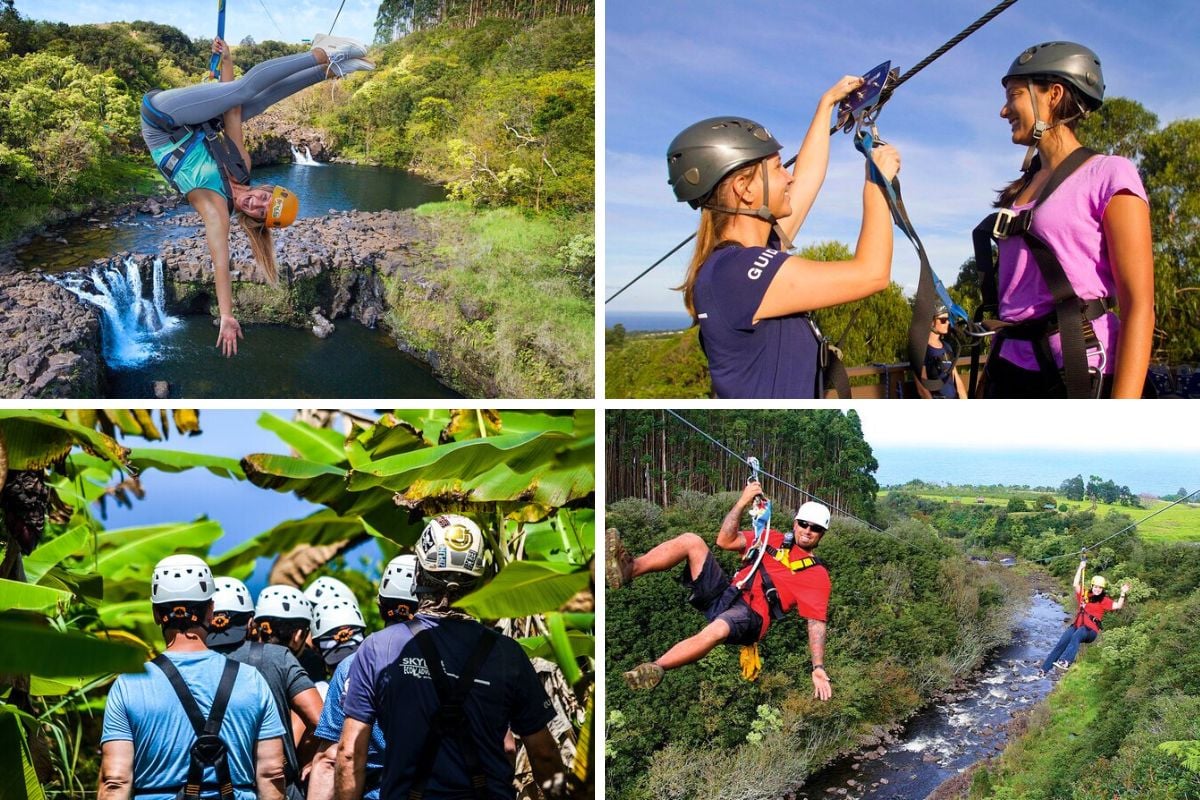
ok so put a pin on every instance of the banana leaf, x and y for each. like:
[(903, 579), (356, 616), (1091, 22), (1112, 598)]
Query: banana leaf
[(388, 437), (313, 444), (127, 614), (51, 553), (535, 467), (18, 596), (563, 648), (38, 650), (179, 460), (84, 585), (16, 762), (35, 440), (583, 645), (318, 483), (323, 527), (525, 588), (570, 535), (133, 552)]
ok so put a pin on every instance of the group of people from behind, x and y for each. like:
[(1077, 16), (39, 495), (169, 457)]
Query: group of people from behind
[(1072, 235), (271, 700)]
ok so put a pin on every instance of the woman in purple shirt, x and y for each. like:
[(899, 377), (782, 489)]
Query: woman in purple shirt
[(1096, 223), (749, 296)]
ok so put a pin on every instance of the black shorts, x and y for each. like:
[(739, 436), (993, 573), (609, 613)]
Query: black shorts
[(714, 596)]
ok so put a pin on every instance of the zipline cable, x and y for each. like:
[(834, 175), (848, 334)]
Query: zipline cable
[(883, 97), (343, 5), (1124, 530), (792, 486)]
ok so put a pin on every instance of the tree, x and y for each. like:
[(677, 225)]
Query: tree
[(1120, 127), (615, 336), (1073, 488), (1017, 504), (871, 330), (247, 41)]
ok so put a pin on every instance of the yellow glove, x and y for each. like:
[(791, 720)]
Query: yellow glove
[(751, 663)]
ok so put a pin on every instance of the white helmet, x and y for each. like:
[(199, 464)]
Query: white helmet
[(233, 596), (325, 589), (399, 579), (453, 543), (814, 513), (336, 614), (181, 578), (283, 602)]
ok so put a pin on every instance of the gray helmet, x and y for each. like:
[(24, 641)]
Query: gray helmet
[(1073, 63), (704, 153)]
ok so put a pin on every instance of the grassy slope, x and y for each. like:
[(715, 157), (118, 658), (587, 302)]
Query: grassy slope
[(535, 339), (1178, 524), (657, 365)]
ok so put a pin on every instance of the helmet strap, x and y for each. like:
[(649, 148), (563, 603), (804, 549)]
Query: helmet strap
[(763, 212)]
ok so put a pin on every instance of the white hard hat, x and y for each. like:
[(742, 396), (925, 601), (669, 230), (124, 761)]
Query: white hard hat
[(283, 602), (181, 578), (324, 589), (336, 614), (233, 596), (453, 543), (815, 513), (399, 578)]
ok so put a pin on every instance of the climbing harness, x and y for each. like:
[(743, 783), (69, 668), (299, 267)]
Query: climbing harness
[(450, 720), (209, 749), (209, 134), (1072, 317), (214, 63)]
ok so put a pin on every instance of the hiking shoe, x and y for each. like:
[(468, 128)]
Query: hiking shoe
[(339, 48), (644, 676), (618, 564), (344, 67), (1062, 665)]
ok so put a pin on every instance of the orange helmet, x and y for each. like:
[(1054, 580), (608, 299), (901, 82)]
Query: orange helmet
[(282, 209)]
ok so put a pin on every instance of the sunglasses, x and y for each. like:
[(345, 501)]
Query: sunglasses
[(943, 319), (808, 526)]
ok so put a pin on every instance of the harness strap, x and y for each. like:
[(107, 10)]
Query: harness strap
[(210, 134), (208, 749), (1072, 315), (450, 719), (929, 286)]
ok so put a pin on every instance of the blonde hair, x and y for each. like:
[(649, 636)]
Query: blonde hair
[(712, 227), (260, 243)]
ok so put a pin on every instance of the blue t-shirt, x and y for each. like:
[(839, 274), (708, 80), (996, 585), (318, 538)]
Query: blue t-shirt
[(144, 709), (333, 715), (778, 357), (939, 365), (389, 681)]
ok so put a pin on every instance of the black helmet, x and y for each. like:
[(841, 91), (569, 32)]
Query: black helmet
[(1073, 63), (704, 153)]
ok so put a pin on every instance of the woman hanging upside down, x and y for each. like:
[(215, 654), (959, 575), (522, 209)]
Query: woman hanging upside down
[(195, 137), (1086, 626)]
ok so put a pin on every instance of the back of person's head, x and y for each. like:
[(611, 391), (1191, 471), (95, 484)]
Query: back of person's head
[(233, 613), (337, 629), (281, 614), (181, 590), (452, 560), (397, 589)]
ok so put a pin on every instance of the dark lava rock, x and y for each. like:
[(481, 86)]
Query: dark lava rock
[(49, 341)]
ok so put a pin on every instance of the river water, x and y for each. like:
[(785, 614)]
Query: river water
[(947, 737), (273, 361)]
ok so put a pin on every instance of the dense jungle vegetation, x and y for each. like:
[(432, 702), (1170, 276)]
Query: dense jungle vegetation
[(909, 611), (1168, 160), (74, 607)]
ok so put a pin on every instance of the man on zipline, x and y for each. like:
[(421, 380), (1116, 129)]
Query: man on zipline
[(739, 611)]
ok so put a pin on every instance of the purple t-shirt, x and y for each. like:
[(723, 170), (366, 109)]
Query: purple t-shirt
[(778, 357), (389, 684), (1071, 222)]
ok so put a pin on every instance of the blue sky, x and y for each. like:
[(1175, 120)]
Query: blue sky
[(263, 19), (669, 64)]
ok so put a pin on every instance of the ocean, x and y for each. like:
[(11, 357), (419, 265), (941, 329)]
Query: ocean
[(649, 320), (1149, 472)]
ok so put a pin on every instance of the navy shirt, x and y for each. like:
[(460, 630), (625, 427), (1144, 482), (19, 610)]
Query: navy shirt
[(939, 365), (778, 357), (389, 683)]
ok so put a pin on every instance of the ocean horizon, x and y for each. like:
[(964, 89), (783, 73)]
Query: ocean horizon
[(649, 320)]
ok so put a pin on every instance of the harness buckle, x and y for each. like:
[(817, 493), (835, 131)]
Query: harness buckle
[(1003, 228)]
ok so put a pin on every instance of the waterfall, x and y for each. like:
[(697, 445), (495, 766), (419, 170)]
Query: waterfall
[(305, 158), (133, 325)]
